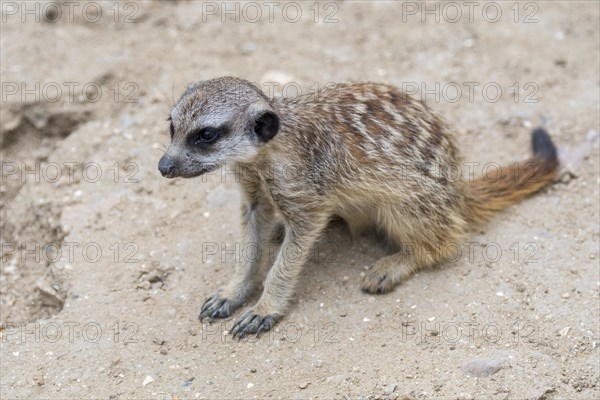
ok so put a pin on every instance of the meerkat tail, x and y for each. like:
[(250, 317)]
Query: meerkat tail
[(489, 194)]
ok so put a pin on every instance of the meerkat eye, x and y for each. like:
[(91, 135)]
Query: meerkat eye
[(206, 136)]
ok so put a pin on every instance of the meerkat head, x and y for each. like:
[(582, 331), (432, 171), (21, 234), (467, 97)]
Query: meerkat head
[(223, 120)]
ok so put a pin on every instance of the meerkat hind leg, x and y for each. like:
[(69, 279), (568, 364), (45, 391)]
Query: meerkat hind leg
[(415, 253)]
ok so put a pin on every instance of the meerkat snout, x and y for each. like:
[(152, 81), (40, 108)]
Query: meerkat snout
[(166, 166)]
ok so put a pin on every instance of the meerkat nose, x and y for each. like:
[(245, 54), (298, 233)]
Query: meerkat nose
[(166, 165)]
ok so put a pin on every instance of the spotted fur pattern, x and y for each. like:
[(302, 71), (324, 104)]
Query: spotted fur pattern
[(365, 152)]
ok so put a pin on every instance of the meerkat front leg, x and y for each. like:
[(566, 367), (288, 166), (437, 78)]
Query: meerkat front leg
[(257, 223), (281, 280)]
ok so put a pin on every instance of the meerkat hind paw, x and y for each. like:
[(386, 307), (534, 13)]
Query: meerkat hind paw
[(386, 273), (377, 283)]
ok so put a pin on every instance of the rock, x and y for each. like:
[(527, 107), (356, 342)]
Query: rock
[(303, 385), (148, 380), (49, 295), (389, 389), (317, 363), (561, 62), (566, 177), (540, 393), (484, 367), (465, 396)]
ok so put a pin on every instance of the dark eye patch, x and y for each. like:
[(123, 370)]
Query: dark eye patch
[(204, 137)]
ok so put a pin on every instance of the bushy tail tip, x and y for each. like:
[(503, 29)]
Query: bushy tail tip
[(486, 196), (543, 147)]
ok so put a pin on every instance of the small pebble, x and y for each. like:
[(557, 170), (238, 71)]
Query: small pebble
[(389, 389), (148, 380), (303, 385), (482, 368)]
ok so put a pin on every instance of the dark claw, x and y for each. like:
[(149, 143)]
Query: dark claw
[(216, 307), (250, 323), (376, 285)]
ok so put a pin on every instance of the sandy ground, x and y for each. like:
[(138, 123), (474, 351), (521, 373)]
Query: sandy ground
[(105, 263)]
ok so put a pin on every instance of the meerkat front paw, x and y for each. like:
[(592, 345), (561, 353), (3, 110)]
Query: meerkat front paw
[(218, 307), (252, 322)]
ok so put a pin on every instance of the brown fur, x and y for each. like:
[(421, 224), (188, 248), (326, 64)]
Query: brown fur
[(485, 197), (365, 152)]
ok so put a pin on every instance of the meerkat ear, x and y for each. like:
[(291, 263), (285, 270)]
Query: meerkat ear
[(266, 125)]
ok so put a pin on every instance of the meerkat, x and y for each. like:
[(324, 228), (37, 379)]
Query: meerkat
[(364, 152)]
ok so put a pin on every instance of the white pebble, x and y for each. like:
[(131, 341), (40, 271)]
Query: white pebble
[(148, 380)]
